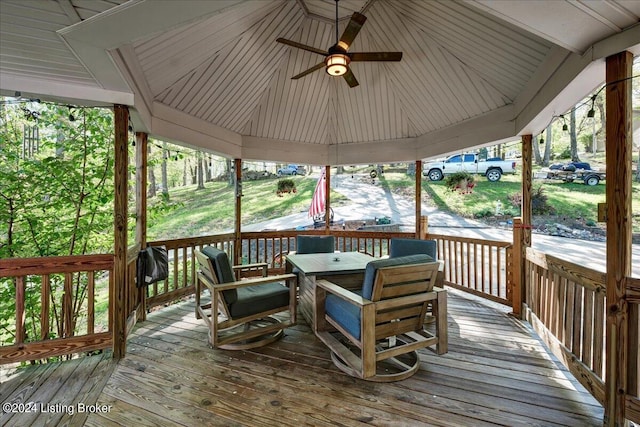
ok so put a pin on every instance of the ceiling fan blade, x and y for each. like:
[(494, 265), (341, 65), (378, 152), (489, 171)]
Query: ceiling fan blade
[(302, 46), (375, 56), (350, 78), (353, 28), (309, 71)]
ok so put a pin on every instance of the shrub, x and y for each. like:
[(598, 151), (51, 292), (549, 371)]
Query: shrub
[(462, 182), (539, 202), (286, 185)]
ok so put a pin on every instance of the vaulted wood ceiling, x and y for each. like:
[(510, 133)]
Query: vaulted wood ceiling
[(210, 74)]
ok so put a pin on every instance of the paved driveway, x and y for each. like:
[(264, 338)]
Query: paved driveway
[(369, 201)]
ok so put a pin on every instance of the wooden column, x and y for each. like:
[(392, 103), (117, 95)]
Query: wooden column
[(419, 231), (141, 206), (237, 249), (424, 226), (522, 229), (119, 292), (618, 199), (327, 204)]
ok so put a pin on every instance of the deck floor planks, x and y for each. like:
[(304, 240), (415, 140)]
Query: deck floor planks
[(496, 373)]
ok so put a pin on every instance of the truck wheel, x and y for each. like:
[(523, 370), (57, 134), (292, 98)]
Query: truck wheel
[(435, 175), (493, 175), (592, 180)]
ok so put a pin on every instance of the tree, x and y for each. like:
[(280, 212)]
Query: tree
[(57, 200), (165, 186), (572, 136), (200, 169)]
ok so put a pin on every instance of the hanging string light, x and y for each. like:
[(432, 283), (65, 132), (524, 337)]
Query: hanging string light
[(592, 111)]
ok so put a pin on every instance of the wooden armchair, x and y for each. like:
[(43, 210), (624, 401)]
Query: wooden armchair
[(239, 315), (374, 333)]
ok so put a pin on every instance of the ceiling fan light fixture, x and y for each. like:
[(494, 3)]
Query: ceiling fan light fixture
[(337, 64)]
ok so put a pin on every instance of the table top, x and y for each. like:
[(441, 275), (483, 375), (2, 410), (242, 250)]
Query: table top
[(334, 263)]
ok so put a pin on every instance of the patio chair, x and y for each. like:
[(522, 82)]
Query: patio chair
[(374, 333), (402, 247), (314, 244), (240, 314)]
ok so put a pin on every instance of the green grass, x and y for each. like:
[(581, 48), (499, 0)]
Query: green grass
[(569, 200), (201, 212)]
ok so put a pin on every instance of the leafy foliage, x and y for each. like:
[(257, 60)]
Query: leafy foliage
[(56, 198), (462, 182), (539, 201)]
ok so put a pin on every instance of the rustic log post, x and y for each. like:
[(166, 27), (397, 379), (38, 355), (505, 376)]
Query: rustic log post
[(618, 199), (119, 293), (141, 207), (522, 229), (237, 250), (327, 204), (419, 232)]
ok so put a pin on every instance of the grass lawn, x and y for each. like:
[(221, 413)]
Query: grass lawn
[(193, 212), (573, 201)]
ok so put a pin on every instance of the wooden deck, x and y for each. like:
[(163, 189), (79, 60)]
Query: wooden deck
[(496, 373)]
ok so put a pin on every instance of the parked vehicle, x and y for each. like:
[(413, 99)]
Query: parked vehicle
[(492, 168), (572, 171), (292, 170)]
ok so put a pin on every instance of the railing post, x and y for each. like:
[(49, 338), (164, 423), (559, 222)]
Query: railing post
[(518, 266), (423, 227)]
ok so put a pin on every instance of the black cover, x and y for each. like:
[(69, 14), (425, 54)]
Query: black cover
[(152, 265)]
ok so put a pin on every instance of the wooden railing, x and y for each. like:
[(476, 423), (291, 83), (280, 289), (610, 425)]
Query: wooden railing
[(565, 303), (182, 267), (481, 267), (59, 295)]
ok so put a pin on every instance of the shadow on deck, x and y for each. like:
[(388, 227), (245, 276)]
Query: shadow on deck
[(496, 373)]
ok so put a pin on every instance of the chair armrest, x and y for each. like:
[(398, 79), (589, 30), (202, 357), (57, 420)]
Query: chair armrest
[(254, 281), (342, 293), (250, 267)]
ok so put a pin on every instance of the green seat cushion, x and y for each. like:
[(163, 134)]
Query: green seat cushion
[(259, 298), (403, 247), (315, 244), (223, 271)]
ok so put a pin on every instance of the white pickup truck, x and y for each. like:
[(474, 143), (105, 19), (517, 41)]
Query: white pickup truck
[(492, 169)]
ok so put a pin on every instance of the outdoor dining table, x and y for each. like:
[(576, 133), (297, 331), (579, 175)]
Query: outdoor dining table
[(342, 268)]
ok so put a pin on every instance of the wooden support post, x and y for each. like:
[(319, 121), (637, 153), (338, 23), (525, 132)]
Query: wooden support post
[(121, 173), (141, 207), (522, 230), (424, 226), (327, 205), (618, 198), (419, 232), (237, 246)]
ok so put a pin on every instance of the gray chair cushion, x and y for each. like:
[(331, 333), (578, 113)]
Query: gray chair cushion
[(259, 298), (314, 244), (223, 270), (344, 313), (373, 266), (404, 247)]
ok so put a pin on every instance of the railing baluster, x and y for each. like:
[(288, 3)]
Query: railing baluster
[(20, 312), (67, 306), (45, 302), (91, 302)]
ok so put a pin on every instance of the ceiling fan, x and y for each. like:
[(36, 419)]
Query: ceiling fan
[(338, 57)]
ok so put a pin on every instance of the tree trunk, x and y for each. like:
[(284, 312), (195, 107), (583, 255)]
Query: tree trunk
[(200, 167), (537, 158), (209, 168), (165, 156), (184, 172), (547, 152), (600, 142), (229, 171), (151, 191), (572, 137)]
